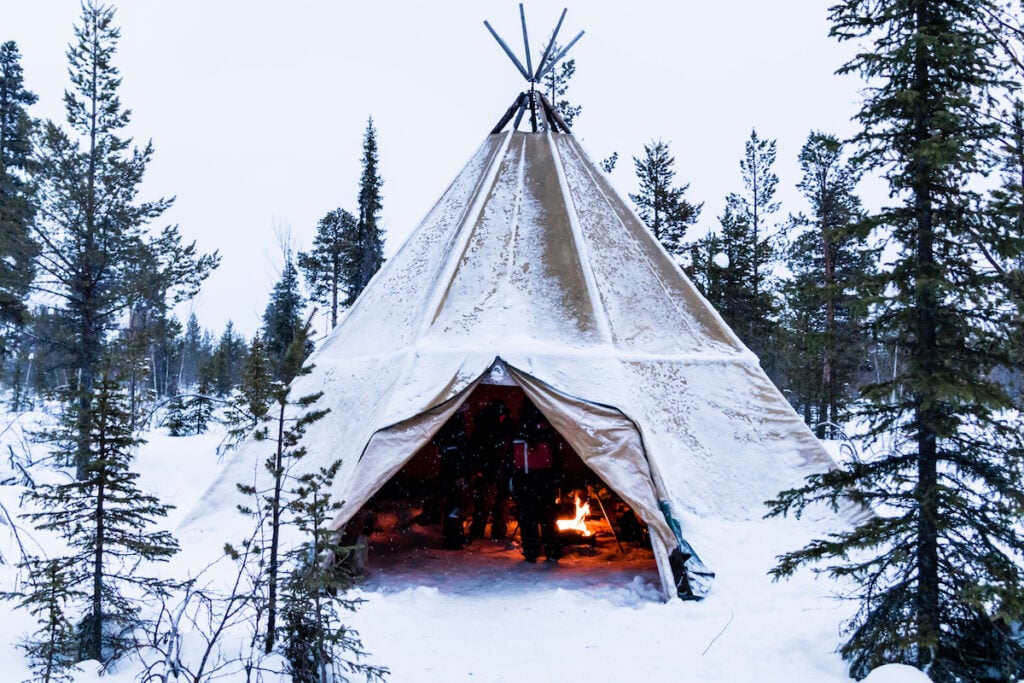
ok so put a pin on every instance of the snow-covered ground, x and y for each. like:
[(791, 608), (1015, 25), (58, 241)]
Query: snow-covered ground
[(436, 623)]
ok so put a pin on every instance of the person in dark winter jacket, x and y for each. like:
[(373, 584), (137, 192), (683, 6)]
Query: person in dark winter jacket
[(537, 467), (452, 442), (493, 431)]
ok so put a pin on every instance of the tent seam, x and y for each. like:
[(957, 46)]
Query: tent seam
[(586, 265), (471, 217)]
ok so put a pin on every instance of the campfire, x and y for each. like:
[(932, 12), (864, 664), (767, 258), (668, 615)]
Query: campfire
[(574, 529)]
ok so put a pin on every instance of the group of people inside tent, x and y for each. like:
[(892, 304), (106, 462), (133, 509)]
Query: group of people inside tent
[(502, 461)]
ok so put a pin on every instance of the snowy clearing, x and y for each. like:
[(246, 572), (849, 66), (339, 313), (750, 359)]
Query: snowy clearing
[(484, 615)]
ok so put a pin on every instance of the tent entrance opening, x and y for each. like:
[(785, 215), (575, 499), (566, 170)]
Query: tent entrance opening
[(459, 505)]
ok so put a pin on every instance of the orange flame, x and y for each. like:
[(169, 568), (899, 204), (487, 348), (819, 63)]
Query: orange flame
[(579, 523)]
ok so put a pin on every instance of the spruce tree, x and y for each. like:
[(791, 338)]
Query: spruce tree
[(661, 206), (368, 252), (937, 569), (327, 265), (17, 208), (105, 520), (825, 318), (92, 228)]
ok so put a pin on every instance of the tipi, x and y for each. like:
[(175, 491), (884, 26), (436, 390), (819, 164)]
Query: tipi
[(532, 270)]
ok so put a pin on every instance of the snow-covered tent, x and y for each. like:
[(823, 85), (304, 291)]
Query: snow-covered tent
[(532, 270)]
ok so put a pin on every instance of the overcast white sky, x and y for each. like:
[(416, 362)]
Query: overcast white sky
[(257, 109)]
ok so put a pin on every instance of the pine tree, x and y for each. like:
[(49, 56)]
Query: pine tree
[(746, 296), (608, 163), (199, 409), (196, 351), (826, 311), (660, 205), (283, 425), (938, 569), (283, 315), (756, 207), (92, 228), (368, 254), (707, 265), (175, 420), (556, 85), (252, 398), (327, 266), (224, 370), (104, 519), (318, 646), (17, 208), (1006, 208), (161, 275)]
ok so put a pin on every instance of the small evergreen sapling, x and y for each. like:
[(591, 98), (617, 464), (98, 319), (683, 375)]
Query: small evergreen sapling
[(105, 519), (247, 407), (47, 596), (175, 419), (282, 425), (190, 414), (318, 646), (199, 408)]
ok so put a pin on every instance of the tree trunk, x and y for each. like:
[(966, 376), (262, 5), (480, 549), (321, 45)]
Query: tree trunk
[(926, 304), (275, 533), (334, 298), (86, 281), (95, 650)]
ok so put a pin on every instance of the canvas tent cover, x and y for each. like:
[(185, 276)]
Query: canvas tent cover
[(533, 266)]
